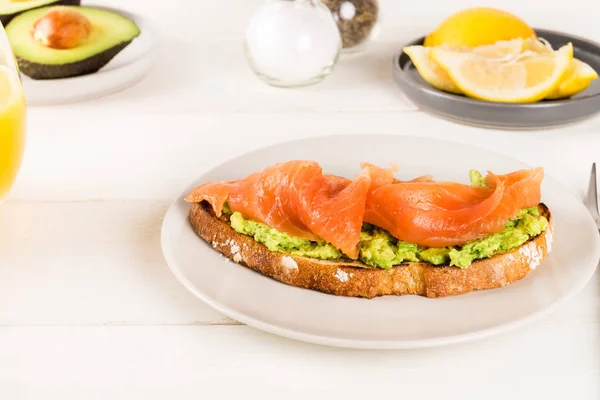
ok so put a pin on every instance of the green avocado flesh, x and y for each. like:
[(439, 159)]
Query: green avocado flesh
[(11, 8), (111, 33), (381, 250)]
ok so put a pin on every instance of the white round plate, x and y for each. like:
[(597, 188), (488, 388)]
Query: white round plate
[(123, 71), (389, 321)]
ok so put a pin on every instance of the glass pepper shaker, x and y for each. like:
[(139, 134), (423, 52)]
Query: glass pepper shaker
[(292, 42), (357, 21)]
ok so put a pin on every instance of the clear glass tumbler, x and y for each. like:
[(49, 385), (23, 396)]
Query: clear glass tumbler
[(12, 117)]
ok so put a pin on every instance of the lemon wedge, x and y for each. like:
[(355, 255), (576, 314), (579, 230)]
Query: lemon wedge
[(429, 70), (578, 77), (526, 78), (436, 76)]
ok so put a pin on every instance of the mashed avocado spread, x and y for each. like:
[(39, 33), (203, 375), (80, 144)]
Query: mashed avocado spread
[(381, 250)]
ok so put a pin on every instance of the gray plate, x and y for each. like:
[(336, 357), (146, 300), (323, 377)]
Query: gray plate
[(542, 114)]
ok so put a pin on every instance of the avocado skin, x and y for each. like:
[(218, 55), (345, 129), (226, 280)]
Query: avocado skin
[(83, 67), (6, 18)]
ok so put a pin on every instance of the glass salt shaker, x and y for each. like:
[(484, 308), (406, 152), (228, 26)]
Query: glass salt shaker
[(357, 21), (293, 42)]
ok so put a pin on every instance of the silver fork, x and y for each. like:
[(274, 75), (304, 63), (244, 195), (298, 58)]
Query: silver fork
[(591, 199)]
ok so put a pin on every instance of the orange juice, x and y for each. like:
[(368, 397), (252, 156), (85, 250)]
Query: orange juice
[(12, 128)]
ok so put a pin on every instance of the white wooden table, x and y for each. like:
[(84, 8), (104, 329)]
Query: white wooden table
[(88, 307)]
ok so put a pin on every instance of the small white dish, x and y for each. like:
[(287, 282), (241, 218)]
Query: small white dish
[(123, 71), (385, 322)]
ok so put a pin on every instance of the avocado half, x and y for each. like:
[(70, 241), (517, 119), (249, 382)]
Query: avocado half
[(111, 33), (11, 8)]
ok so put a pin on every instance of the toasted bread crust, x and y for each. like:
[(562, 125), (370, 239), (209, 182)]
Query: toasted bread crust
[(343, 279)]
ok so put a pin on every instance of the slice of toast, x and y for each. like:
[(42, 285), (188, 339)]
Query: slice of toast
[(344, 278)]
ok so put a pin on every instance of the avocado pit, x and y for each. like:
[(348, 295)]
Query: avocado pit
[(62, 28)]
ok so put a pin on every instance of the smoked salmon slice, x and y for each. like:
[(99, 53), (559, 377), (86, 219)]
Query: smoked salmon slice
[(295, 197), (438, 214), (215, 193)]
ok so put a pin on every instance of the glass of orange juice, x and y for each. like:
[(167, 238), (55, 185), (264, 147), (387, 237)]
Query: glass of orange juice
[(12, 117)]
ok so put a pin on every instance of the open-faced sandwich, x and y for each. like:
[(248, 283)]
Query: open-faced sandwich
[(376, 235)]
